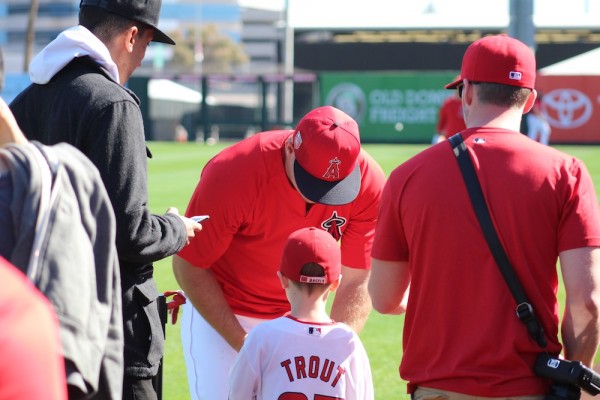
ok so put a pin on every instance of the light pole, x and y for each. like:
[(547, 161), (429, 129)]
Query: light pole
[(288, 67), (30, 34), (521, 22)]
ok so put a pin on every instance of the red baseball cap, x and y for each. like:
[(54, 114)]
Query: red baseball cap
[(498, 59), (311, 245), (326, 145)]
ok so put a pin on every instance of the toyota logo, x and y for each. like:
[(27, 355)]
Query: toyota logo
[(567, 108)]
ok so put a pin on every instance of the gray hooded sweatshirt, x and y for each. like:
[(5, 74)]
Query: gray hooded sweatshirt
[(62, 230)]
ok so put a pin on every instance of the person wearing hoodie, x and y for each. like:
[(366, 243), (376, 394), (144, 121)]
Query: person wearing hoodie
[(78, 96)]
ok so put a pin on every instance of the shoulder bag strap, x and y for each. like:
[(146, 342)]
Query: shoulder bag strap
[(524, 309)]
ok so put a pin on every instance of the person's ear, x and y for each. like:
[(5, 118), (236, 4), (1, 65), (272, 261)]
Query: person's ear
[(530, 101), (285, 283), (131, 36), (468, 92)]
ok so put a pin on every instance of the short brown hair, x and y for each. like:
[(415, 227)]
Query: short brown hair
[(312, 269), (501, 95), (105, 25)]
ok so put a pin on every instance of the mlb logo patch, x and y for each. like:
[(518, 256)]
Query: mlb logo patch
[(313, 330), (515, 76), (297, 140)]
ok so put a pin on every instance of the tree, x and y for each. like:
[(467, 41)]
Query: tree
[(30, 38), (217, 53)]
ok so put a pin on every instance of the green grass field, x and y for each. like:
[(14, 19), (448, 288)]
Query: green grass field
[(173, 174)]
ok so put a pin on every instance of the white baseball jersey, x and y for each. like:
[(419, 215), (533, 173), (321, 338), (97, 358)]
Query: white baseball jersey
[(287, 359)]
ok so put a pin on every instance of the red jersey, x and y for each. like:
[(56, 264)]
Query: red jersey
[(253, 209), (31, 362), (461, 333), (450, 118)]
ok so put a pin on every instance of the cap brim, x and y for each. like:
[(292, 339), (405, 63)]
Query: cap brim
[(161, 37), (325, 192), (454, 84)]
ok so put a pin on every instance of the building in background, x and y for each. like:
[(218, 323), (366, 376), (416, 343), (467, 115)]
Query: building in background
[(344, 53), (257, 31)]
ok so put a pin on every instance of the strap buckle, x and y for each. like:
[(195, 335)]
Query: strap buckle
[(525, 312), (527, 316)]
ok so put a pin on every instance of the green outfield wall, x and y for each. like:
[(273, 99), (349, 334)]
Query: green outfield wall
[(389, 107)]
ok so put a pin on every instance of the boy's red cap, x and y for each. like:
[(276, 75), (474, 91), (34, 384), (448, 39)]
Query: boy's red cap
[(498, 59), (311, 245)]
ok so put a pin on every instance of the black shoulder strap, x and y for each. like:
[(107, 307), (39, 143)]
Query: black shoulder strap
[(524, 309)]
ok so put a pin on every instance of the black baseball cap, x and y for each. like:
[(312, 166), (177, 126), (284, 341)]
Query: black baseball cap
[(144, 11)]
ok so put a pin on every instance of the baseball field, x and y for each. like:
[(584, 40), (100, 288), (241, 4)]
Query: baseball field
[(173, 174)]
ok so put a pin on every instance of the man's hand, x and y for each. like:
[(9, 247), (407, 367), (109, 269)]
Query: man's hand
[(191, 226)]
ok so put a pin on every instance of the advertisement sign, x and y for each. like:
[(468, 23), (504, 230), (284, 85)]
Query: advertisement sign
[(389, 107), (571, 105)]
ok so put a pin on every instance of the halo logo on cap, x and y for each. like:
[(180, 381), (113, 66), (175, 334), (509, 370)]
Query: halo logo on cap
[(333, 171)]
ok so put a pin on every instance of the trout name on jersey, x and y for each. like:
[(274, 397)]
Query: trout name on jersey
[(316, 368)]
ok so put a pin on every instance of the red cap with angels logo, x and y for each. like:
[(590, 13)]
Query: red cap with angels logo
[(326, 145)]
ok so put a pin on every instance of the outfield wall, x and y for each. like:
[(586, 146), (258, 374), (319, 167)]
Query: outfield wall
[(402, 107), (389, 107), (572, 106)]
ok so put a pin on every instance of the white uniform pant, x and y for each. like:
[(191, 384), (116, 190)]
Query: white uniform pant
[(208, 357), (538, 129)]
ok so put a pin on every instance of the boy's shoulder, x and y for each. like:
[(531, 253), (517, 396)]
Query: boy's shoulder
[(290, 325)]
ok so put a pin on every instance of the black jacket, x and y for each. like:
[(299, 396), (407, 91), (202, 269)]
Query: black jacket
[(83, 106)]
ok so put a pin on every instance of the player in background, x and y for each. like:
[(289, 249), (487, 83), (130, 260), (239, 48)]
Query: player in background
[(450, 118), (304, 354), (538, 127), (257, 192)]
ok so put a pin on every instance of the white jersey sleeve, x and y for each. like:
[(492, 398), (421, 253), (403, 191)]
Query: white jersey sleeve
[(244, 380), (287, 359)]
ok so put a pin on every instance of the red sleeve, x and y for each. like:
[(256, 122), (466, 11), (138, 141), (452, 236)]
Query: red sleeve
[(442, 118), (357, 241), (218, 196), (580, 220)]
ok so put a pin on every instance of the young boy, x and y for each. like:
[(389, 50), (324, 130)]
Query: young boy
[(304, 354)]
